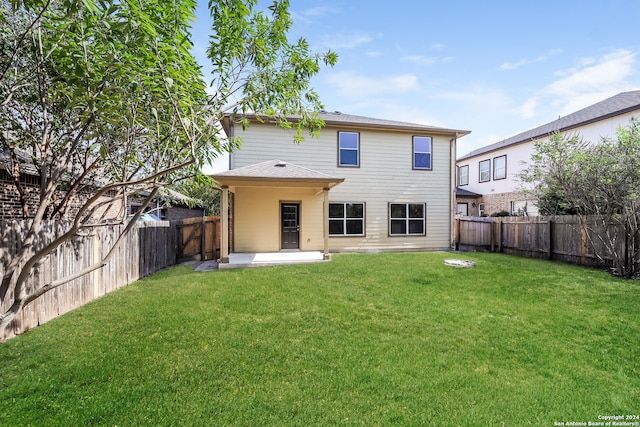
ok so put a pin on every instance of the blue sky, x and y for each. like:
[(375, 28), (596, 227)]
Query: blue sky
[(494, 67)]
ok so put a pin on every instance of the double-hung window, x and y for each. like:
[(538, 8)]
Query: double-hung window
[(485, 170), (349, 149), (407, 219), (463, 175), (500, 167), (346, 219), (422, 152)]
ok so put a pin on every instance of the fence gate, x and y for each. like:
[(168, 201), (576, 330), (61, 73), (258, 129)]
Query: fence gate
[(199, 238)]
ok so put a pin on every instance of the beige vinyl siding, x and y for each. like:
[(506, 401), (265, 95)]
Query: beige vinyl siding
[(385, 175), (257, 214)]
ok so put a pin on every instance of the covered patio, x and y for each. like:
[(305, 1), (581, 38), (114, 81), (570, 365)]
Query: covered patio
[(279, 211)]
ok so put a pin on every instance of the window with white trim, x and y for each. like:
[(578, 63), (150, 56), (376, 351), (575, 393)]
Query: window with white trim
[(422, 152), (349, 149), (407, 219), (485, 170), (500, 167), (346, 219), (463, 175)]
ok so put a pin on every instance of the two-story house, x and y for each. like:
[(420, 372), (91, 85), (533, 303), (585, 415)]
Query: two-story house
[(364, 184), (487, 177)]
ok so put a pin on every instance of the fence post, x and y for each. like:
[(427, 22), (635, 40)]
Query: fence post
[(583, 240), (215, 239), (492, 236), (499, 222), (551, 239), (203, 240), (457, 234)]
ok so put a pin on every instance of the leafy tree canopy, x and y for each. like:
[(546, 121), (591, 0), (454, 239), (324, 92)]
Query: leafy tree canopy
[(100, 99), (601, 180)]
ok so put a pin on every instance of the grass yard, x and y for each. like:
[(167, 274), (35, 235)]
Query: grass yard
[(375, 339)]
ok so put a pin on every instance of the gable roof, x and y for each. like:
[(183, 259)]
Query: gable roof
[(336, 118), (276, 171), (616, 105)]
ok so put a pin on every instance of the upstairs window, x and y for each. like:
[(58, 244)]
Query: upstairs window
[(485, 170), (500, 167), (349, 149), (422, 152), (463, 175), (407, 219), (346, 219)]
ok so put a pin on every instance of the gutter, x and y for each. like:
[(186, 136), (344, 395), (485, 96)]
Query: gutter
[(452, 189)]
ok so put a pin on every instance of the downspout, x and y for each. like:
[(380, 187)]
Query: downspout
[(452, 189)]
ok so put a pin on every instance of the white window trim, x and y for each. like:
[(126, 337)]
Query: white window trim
[(504, 169), (460, 168), (488, 161)]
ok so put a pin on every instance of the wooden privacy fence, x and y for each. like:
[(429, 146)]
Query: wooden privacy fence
[(199, 238), (149, 247), (559, 238)]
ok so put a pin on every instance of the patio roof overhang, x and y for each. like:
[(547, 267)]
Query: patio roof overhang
[(272, 174), (276, 174)]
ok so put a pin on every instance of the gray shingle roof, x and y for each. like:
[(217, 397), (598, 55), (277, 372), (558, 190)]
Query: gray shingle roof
[(337, 118), (461, 192), (276, 169), (24, 158), (619, 104)]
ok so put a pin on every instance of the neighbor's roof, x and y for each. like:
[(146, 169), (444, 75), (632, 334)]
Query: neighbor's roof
[(616, 105), (461, 192), (25, 162), (275, 170), (337, 118), (173, 196)]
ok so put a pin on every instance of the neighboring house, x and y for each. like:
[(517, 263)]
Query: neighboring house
[(364, 185), (168, 205), (490, 172)]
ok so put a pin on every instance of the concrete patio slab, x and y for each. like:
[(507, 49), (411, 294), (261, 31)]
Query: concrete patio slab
[(263, 259)]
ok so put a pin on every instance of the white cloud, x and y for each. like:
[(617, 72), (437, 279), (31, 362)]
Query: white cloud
[(305, 16), (427, 60), (595, 75), (593, 80), (346, 41), (479, 98), (507, 66), (528, 109), (353, 85), (419, 59), (320, 11), (374, 53)]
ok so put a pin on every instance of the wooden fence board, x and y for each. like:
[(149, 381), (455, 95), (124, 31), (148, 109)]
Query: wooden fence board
[(148, 248), (560, 238), (199, 238)]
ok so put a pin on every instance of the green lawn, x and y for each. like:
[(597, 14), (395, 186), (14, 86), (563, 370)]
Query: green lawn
[(375, 339)]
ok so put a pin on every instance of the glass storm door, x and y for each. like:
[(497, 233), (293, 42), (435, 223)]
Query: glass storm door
[(290, 217)]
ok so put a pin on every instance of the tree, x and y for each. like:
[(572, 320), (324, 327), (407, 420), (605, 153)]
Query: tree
[(104, 99), (600, 183), (203, 189)]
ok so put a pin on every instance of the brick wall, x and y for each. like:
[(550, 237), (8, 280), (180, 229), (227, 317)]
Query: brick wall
[(501, 202), (10, 207), (493, 203)]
